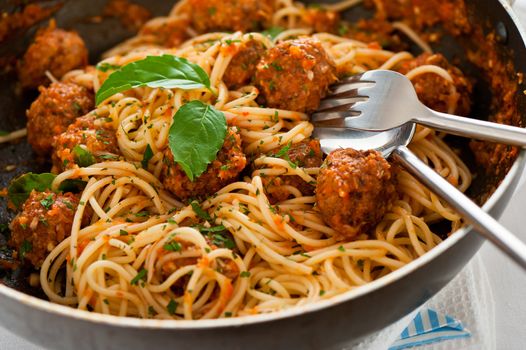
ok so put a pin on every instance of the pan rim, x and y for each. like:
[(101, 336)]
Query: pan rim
[(509, 183)]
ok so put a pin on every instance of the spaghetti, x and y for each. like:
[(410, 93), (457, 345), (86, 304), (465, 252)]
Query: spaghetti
[(143, 253)]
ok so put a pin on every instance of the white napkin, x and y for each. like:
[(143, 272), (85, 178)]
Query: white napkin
[(467, 298)]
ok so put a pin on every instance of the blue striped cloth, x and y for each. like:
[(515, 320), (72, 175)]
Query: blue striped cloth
[(428, 327)]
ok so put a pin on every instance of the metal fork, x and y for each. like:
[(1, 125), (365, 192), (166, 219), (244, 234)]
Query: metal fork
[(380, 100)]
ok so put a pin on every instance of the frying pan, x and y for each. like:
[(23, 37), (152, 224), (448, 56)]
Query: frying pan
[(329, 324)]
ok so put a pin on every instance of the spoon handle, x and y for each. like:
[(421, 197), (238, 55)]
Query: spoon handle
[(477, 129), (484, 224)]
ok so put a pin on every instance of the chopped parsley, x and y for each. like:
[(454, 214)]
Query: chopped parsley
[(200, 212), (341, 248), (273, 32), (276, 66), (141, 276), (172, 307), (245, 274), (25, 248), (148, 154), (82, 156), (223, 241), (172, 246), (47, 202)]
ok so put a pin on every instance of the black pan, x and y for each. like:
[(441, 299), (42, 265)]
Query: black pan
[(326, 325)]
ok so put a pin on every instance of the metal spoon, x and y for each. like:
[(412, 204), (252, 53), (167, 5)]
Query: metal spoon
[(393, 143)]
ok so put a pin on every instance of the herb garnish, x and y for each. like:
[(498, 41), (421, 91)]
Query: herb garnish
[(199, 211), (172, 246), (148, 154), (25, 248), (165, 71), (82, 156), (105, 66), (20, 188), (194, 122), (172, 307), (47, 202), (273, 32), (141, 276)]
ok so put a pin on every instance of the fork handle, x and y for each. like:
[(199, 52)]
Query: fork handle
[(484, 224), (477, 129)]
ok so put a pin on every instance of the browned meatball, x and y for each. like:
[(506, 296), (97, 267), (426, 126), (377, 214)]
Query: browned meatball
[(45, 221), (223, 170), (295, 75), (321, 20), (54, 50), (354, 190), (305, 154), (170, 32), (243, 65), (58, 106), (433, 90), (88, 140), (230, 15)]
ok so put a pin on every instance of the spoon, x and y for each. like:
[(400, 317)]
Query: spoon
[(392, 143)]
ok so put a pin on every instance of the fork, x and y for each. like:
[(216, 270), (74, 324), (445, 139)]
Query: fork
[(380, 100)]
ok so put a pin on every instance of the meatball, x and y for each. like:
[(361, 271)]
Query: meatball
[(54, 50), (168, 32), (88, 140), (58, 106), (230, 15), (354, 190), (295, 75), (305, 154), (433, 90), (45, 221), (243, 65), (230, 161), (322, 20)]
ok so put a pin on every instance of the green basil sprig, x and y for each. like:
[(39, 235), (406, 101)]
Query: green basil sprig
[(196, 135), (20, 188), (165, 71)]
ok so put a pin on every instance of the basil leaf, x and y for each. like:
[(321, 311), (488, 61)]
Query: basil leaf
[(83, 157), (20, 188), (196, 135), (165, 71), (148, 154)]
